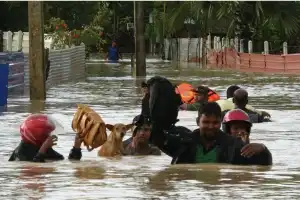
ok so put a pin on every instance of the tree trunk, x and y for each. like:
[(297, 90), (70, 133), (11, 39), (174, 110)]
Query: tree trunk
[(114, 25), (204, 48), (170, 51), (36, 51), (140, 52), (204, 51), (189, 44)]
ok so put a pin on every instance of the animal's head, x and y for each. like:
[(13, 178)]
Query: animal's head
[(118, 130)]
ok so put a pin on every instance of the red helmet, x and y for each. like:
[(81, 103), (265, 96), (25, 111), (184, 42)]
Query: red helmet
[(36, 129), (236, 115)]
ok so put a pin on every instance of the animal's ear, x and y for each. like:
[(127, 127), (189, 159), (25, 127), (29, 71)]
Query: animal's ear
[(109, 127), (129, 126)]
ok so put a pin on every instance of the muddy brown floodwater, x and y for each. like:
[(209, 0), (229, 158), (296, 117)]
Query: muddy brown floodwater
[(112, 92)]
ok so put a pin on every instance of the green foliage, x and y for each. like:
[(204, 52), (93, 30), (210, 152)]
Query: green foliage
[(256, 20), (59, 32), (90, 35)]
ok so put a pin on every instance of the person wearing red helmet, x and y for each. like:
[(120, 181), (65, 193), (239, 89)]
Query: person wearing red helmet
[(36, 140), (237, 123)]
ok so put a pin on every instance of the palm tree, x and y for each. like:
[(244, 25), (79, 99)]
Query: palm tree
[(255, 20)]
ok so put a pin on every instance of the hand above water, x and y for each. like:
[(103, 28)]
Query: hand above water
[(49, 142), (78, 140), (251, 149)]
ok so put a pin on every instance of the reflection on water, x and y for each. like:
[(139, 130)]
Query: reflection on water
[(112, 92), (36, 106)]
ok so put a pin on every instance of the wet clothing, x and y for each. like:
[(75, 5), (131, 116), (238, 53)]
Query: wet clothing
[(29, 152), (127, 142), (113, 54), (227, 104), (182, 145), (256, 116), (145, 107), (152, 150), (206, 156), (193, 107)]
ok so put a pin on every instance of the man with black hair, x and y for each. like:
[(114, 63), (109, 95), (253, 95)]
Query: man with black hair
[(208, 144), (230, 90), (138, 144), (228, 104), (240, 100)]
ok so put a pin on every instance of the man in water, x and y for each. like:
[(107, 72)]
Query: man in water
[(201, 97), (139, 144), (227, 104), (113, 53), (237, 123), (240, 100), (208, 144)]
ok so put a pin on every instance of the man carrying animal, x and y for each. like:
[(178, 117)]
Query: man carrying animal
[(112, 147), (208, 144)]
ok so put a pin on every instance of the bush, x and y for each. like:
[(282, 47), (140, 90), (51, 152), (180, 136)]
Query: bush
[(59, 33), (91, 36)]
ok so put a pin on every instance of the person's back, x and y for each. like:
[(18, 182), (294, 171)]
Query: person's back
[(227, 104)]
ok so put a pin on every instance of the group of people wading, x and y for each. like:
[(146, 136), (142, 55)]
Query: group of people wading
[(222, 136)]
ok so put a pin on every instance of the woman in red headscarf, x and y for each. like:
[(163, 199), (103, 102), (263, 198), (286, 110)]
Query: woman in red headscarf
[(36, 140)]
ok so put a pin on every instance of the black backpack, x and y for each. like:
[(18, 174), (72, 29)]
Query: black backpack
[(163, 102)]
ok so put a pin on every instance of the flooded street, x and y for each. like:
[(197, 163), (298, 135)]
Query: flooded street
[(112, 92)]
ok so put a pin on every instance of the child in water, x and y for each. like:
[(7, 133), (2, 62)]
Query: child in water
[(36, 140)]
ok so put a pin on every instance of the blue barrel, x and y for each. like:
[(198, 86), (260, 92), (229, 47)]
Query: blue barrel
[(4, 71)]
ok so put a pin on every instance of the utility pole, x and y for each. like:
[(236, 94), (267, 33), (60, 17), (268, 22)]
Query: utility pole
[(139, 27), (36, 50)]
